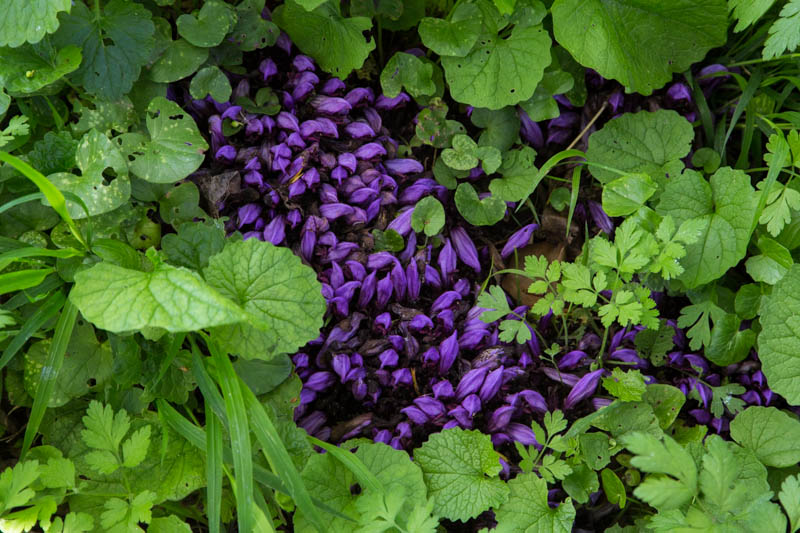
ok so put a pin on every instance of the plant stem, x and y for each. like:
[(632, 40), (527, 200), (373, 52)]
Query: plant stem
[(589, 125), (757, 61)]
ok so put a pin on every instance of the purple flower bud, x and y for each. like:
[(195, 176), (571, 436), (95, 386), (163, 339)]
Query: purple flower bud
[(301, 90), (431, 356), (341, 251), (402, 376), (444, 301), (385, 288), (751, 397), (679, 92), (410, 249), (530, 130), (380, 260), (471, 339), (601, 218), (471, 382), (443, 390), (412, 280), (252, 234), (465, 248), (758, 378), (445, 320), (307, 396), (461, 416), (399, 281), (309, 128), (373, 118), (415, 414), (360, 94), (432, 277), (383, 321), (331, 105), (234, 112), (571, 359), (313, 422), (248, 213), (359, 130), (472, 404), (332, 86), (447, 259), (500, 418), (254, 128), (629, 356), (297, 188), (268, 68), (367, 290), (430, 406), (402, 222), (448, 350), (535, 400), (383, 436), (341, 365), (357, 270), (275, 231), (334, 211), (403, 166), (584, 388), (385, 103), (420, 322), (348, 161), (615, 101), (491, 385), (388, 358), (369, 151), (358, 216), (319, 381), (522, 434), (518, 239), (302, 62), (226, 153), (287, 121)]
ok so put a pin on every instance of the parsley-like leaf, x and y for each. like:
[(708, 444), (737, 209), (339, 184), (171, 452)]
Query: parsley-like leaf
[(790, 499), (784, 34), (662, 456), (527, 508), (628, 386)]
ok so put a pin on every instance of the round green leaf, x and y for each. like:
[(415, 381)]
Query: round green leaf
[(175, 148), (210, 81), (94, 155), (454, 37), (518, 172), (25, 71), (478, 212), (409, 71), (625, 195), (210, 26), (666, 402), (499, 71), (769, 433), (28, 21), (428, 216), (180, 59), (639, 43), (253, 32), (463, 155)]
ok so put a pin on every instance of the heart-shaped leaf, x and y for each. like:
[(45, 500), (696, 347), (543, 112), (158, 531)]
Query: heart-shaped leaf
[(179, 60), (627, 194), (454, 37), (428, 216), (212, 23), (434, 128), (478, 212), (211, 80), (463, 155), (409, 71)]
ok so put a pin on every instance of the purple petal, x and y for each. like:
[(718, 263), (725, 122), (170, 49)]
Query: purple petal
[(443, 390), (370, 150), (412, 278), (402, 376), (571, 359), (471, 382), (385, 103), (287, 121), (522, 434), (444, 301), (227, 153), (247, 214), (319, 381), (601, 218), (500, 418), (275, 231), (402, 222), (359, 130), (447, 259), (584, 388), (367, 290), (360, 94), (472, 404), (415, 414), (341, 365), (403, 166), (332, 86), (385, 289), (302, 62), (334, 211), (535, 400), (491, 385), (518, 239), (388, 358), (465, 248), (430, 406), (448, 350), (267, 68), (331, 105)]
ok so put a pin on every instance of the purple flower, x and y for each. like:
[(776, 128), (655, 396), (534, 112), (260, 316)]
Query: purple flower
[(402, 222), (301, 63), (383, 436), (522, 434), (334, 211), (331, 105), (341, 365), (415, 414), (402, 376), (380, 260), (385, 289), (530, 130), (403, 166), (332, 86), (233, 112), (601, 218), (412, 278), (420, 322), (319, 381), (679, 92), (518, 239), (491, 385), (472, 404), (360, 94), (500, 418), (443, 390), (385, 103), (367, 289), (359, 130), (447, 259), (275, 231), (571, 359), (465, 248), (383, 321), (227, 153), (444, 301), (369, 151), (288, 121), (430, 406), (584, 388), (471, 382), (348, 161), (248, 213), (448, 350), (535, 400), (388, 358), (268, 68)]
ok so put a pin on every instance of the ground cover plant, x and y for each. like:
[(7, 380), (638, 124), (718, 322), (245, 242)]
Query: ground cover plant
[(381, 266)]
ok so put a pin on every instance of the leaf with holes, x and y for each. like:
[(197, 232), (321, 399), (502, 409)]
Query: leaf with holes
[(95, 154), (337, 43), (527, 508), (281, 297), (175, 148)]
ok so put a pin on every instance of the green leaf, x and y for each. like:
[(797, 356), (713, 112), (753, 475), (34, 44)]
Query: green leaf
[(388, 240), (263, 376), (280, 296), (658, 38), (500, 127), (784, 34), (642, 142), (336, 43), (24, 21), (453, 37), (428, 216), (519, 174), (168, 524), (499, 71), (175, 149), (726, 207), (180, 59), (87, 368), (595, 449), (542, 106), (175, 299), (194, 244), (625, 195), (781, 201), (495, 302), (55, 152), (14, 483), (769, 433), (628, 386), (463, 155), (134, 449), (211, 81), (106, 116), (666, 402), (478, 212), (771, 264), (581, 483), (663, 457), (460, 469), (28, 70), (729, 343), (655, 344), (181, 204), (613, 488), (409, 71), (210, 26), (253, 32), (527, 509), (434, 129), (490, 157), (747, 12), (121, 516), (116, 45), (95, 154), (790, 499)]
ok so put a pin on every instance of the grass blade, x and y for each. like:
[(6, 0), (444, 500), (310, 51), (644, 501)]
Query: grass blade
[(573, 197), (213, 470), (278, 458), (22, 279), (45, 312), (47, 380), (21, 200), (239, 430), (33, 251), (206, 385), (353, 463)]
